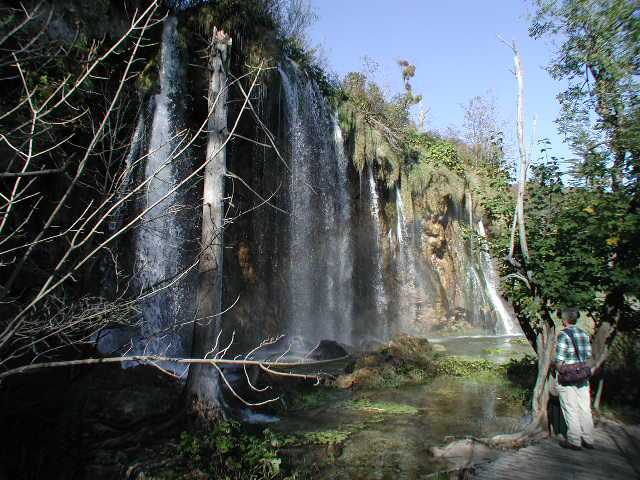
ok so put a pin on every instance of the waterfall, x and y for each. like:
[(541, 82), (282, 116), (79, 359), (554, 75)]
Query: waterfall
[(406, 271), (160, 240), (507, 325), (344, 250), (378, 280), (320, 293)]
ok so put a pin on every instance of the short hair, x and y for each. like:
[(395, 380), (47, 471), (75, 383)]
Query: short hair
[(570, 315)]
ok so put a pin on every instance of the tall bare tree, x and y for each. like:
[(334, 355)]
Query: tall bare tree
[(203, 382)]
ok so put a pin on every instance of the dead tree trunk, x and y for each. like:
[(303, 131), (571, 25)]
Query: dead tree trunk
[(522, 177), (203, 383), (545, 336), (524, 164)]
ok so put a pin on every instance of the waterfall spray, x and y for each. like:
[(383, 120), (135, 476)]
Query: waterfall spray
[(320, 292)]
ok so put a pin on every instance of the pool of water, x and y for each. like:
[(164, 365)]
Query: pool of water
[(499, 348), (390, 432)]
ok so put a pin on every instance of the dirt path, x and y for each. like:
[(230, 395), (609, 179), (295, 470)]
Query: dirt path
[(617, 456)]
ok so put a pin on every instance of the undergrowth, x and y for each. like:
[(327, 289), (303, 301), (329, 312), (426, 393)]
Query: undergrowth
[(228, 452)]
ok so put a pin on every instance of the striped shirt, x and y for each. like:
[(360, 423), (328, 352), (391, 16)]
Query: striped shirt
[(565, 352)]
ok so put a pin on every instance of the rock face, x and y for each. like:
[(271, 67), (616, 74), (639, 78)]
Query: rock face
[(338, 254), (314, 247), (328, 350)]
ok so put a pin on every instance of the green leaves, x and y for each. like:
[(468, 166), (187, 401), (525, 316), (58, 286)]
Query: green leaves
[(229, 452)]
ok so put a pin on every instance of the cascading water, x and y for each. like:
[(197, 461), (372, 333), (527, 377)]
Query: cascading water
[(378, 280), (505, 320), (409, 291), (320, 294), (344, 255), (160, 240)]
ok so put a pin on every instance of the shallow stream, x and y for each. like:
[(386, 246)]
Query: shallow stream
[(387, 433)]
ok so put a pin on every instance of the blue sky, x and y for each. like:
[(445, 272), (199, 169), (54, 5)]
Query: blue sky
[(455, 48)]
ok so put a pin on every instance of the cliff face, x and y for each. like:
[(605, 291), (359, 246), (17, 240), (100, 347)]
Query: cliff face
[(325, 237), (338, 253)]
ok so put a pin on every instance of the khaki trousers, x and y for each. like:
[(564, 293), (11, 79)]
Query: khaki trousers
[(576, 408)]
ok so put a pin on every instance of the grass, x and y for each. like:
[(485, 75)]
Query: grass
[(315, 398)]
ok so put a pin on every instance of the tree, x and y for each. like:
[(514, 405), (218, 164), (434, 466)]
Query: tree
[(578, 247), (71, 148), (482, 131), (599, 57), (62, 126), (203, 384)]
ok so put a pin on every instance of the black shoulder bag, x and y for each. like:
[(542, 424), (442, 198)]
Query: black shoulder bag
[(575, 372)]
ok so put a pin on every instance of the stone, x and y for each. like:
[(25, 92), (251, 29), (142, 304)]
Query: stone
[(328, 350)]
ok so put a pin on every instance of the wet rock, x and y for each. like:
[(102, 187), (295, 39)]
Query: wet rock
[(464, 453), (328, 350)]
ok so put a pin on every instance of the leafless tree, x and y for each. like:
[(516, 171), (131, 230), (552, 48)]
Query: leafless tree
[(52, 136), (483, 131)]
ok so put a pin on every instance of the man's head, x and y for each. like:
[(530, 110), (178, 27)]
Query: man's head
[(570, 316)]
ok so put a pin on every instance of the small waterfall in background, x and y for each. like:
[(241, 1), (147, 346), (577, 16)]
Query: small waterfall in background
[(477, 304), (320, 292), (160, 238), (408, 288), (504, 319)]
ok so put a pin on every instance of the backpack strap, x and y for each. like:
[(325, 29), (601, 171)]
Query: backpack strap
[(569, 333)]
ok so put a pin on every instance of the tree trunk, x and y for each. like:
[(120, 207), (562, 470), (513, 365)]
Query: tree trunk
[(522, 178), (601, 341), (539, 426), (203, 382)]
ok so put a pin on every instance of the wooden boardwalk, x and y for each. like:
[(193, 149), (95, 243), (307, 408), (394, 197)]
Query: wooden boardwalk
[(617, 456)]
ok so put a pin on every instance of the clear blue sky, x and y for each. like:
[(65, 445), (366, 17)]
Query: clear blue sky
[(455, 48)]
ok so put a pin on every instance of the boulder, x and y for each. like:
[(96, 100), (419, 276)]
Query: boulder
[(328, 350)]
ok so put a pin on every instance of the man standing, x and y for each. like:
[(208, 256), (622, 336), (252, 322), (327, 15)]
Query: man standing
[(575, 400)]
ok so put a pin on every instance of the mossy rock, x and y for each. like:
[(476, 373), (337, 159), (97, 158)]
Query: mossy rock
[(361, 377), (403, 360), (410, 349)]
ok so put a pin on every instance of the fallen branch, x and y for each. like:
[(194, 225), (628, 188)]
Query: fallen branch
[(266, 365)]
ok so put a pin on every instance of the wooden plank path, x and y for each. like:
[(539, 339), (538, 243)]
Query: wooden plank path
[(617, 456)]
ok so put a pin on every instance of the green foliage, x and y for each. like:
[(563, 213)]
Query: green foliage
[(368, 146), (493, 191), (573, 235), (229, 452), (462, 367), (379, 127), (584, 236), (382, 407), (395, 377), (599, 56), (443, 153), (326, 437), (307, 61)]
